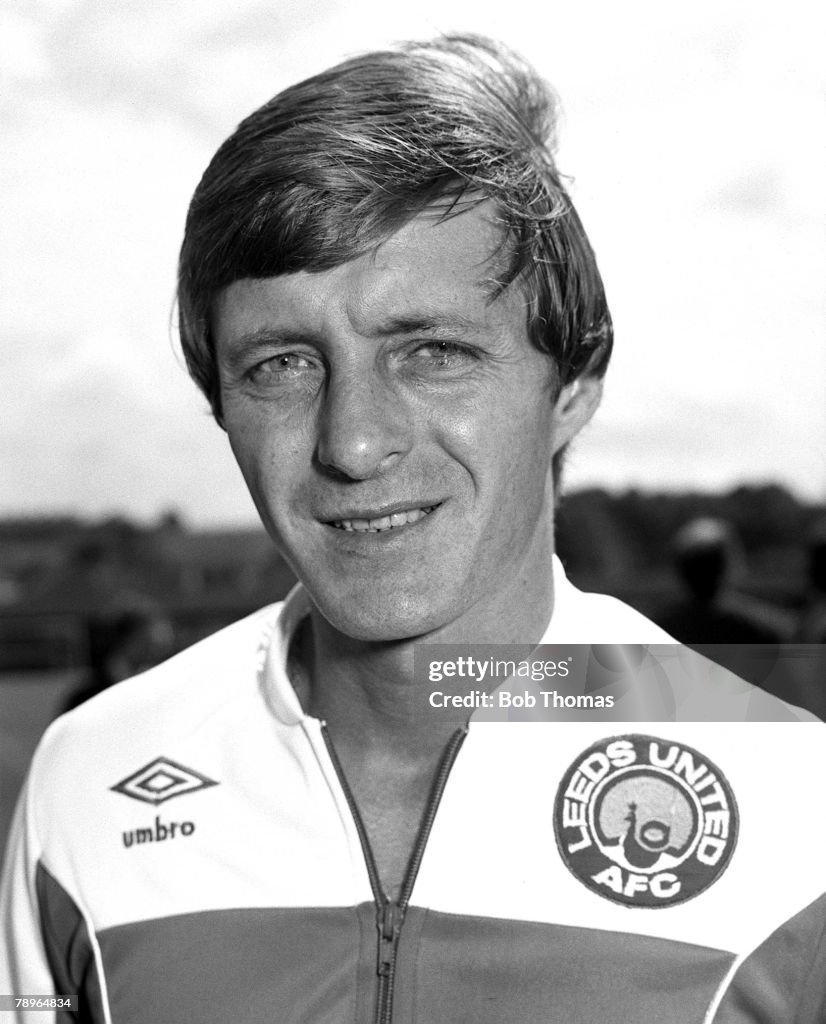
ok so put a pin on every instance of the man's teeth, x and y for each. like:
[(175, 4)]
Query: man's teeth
[(383, 523)]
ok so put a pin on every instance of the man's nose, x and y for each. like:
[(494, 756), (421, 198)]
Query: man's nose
[(365, 427)]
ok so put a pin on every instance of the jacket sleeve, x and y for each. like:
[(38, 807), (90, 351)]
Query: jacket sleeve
[(24, 966), (47, 944), (783, 981)]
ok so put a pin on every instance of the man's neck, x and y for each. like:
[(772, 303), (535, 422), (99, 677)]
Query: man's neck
[(368, 693)]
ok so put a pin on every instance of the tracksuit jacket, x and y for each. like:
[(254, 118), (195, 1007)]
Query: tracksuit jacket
[(186, 848)]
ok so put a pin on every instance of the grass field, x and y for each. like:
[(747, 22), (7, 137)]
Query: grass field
[(28, 703)]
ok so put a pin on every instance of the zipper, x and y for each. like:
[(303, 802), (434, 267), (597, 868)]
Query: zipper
[(390, 913)]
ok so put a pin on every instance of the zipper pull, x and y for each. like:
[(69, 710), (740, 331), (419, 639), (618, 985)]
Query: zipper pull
[(389, 923)]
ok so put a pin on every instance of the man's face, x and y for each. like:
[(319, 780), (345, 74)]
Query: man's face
[(395, 428)]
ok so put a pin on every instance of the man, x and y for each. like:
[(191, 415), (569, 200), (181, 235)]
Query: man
[(392, 307)]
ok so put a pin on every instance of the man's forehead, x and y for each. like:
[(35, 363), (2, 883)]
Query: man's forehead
[(434, 273), (467, 239)]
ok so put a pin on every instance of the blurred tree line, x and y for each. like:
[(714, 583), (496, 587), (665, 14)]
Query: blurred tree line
[(623, 543)]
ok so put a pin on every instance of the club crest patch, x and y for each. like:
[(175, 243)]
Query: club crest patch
[(645, 822)]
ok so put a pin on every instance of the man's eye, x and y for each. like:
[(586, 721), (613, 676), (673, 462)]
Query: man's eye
[(282, 366), (443, 354)]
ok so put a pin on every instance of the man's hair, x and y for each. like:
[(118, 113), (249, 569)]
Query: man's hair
[(331, 167)]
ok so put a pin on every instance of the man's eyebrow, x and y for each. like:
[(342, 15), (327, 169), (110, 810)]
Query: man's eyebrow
[(425, 323), (414, 323)]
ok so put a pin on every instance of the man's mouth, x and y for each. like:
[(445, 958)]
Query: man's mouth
[(380, 524)]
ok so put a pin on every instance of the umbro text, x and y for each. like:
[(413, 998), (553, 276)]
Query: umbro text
[(159, 832)]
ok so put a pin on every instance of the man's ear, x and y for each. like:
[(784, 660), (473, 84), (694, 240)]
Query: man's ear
[(576, 404)]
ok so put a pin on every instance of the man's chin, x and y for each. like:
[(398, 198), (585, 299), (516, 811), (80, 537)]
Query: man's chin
[(392, 621)]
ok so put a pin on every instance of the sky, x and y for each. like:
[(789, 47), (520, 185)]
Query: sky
[(694, 138)]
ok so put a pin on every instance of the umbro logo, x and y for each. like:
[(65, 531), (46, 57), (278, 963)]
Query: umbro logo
[(162, 780)]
